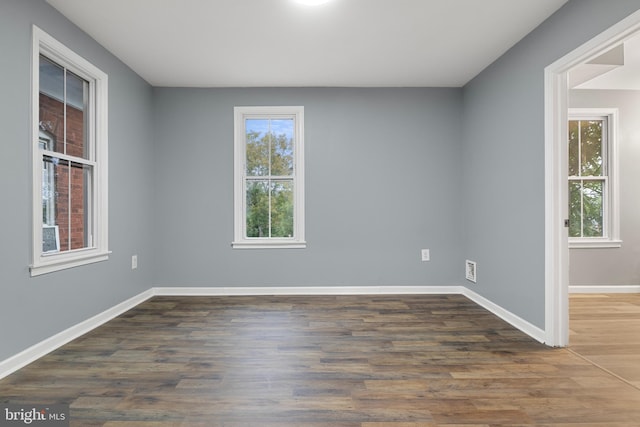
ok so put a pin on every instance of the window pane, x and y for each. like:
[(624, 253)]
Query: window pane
[(62, 109), (48, 192), (51, 107), (282, 147), (61, 199), (586, 208), (281, 209), (77, 92), (575, 209), (574, 160), (269, 145), (81, 176), (257, 146), (66, 195), (257, 208), (591, 147), (592, 208)]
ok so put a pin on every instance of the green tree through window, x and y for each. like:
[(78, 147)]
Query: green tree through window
[(587, 177)]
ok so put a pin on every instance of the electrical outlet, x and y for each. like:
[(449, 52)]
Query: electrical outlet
[(134, 262), (425, 254)]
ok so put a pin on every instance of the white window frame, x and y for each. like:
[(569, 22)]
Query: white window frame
[(98, 247), (241, 241), (611, 202)]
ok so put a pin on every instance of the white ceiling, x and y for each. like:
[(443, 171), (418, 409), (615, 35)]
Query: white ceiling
[(243, 43)]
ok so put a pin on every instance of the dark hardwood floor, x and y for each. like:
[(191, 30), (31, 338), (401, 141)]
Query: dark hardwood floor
[(367, 361)]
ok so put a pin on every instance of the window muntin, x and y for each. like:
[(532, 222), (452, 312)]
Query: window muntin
[(593, 213), (69, 158), (269, 181)]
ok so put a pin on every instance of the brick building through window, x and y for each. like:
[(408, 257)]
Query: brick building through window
[(63, 136)]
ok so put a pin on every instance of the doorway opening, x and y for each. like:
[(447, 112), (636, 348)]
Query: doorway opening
[(556, 172)]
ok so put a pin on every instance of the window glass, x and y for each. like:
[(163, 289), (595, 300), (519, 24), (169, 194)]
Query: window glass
[(65, 183), (587, 179), (269, 153), (590, 147), (77, 143), (257, 208), (281, 209), (51, 104)]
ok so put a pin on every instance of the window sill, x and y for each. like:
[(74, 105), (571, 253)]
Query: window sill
[(62, 262), (594, 244), (279, 244)]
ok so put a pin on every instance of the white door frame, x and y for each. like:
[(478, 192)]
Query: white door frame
[(556, 192)]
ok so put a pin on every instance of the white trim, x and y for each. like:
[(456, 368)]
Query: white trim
[(310, 290), (270, 244), (595, 243), (98, 250), (556, 211), (515, 321), (46, 346), (240, 241), (604, 289), (556, 205), (66, 260)]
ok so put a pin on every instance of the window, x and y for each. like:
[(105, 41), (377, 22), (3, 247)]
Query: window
[(269, 177), (593, 211), (69, 158)]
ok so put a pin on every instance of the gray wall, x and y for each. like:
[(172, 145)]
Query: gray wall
[(503, 157), (32, 309), (382, 182), (615, 266)]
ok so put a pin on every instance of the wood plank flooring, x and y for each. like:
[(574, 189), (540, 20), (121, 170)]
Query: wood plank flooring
[(605, 329), (319, 361)]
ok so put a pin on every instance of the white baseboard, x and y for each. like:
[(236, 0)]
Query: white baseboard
[(515, 321), (605, 289), (46, 346), (307, 290)]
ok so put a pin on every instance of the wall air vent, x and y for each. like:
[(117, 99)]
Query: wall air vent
[(470, 271)]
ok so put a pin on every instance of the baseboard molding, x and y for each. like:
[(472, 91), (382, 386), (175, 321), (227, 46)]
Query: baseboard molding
[(605, 289), (306, 290), (46, 346), (515, 321)]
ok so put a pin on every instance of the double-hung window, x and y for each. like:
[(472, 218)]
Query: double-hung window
[(269, 177), (592, 169), (69, 146)]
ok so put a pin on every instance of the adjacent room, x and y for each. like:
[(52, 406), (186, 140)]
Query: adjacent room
[(322, 213)]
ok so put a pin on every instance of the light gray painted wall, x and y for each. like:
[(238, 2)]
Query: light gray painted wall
[(382, 182), (503, 157), (616, 266), (32, 309)]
